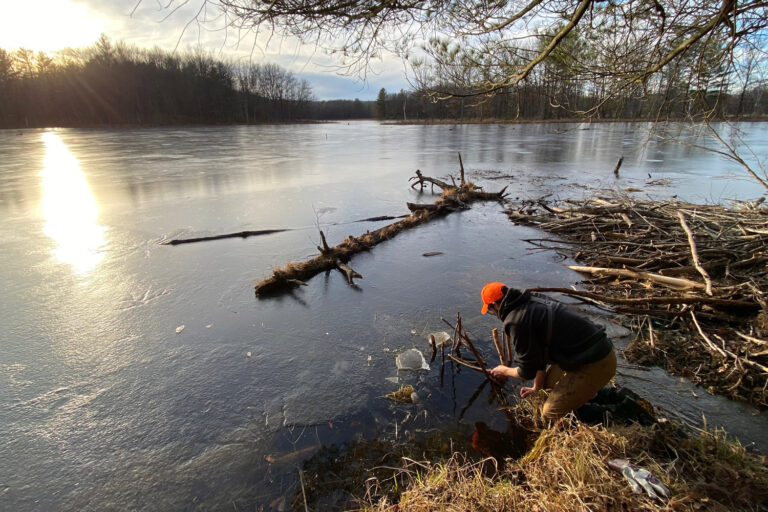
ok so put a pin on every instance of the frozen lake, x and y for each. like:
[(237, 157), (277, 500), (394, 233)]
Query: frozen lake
[(137, 375)]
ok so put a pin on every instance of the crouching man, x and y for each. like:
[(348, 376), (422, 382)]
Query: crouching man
[(560, 350)]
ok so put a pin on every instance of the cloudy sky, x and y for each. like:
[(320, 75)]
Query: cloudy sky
[(49, 25)]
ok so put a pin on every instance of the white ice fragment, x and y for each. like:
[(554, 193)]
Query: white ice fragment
[(414, 397), (411, 359), (413, 332), (393, 380), (179, 329), (247, 354), (209, 326), (441, 338), (369, 360)]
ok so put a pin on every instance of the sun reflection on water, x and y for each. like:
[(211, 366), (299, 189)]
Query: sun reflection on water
[(69, 208)]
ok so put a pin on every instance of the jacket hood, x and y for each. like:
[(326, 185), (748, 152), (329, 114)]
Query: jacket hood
[(514, 298)]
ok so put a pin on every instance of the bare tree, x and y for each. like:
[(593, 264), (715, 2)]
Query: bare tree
[(481, 47)]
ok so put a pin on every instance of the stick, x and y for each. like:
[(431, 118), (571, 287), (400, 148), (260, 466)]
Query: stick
[(728, 303), (442, 362), (670, 282), (325, 247), (618, 164), (465, 363), (461, 165), (695, 253), (509, 347), (706, 338), (240, 234), (348, 271), (303, 493), (499, 350), (433, 345)]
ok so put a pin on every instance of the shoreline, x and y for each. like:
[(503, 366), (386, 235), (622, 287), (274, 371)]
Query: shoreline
[(570, 120), (390, 122)]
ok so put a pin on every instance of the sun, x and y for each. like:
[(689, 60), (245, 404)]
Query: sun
[(47, 25)]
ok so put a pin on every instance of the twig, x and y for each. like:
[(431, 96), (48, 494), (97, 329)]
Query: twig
[(465, 363), (499, 350), (706, 338), (303, 492), (695, 253)]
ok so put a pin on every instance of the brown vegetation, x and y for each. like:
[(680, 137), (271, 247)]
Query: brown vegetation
[(566, 470)]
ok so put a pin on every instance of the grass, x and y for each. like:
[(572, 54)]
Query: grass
[(565, 470)]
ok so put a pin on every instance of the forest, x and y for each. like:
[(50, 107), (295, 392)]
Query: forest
[(116, 84)]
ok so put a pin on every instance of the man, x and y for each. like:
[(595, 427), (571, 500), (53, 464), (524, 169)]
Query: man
[(560, 350)]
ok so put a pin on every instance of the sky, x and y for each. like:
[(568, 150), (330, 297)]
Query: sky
[(50, 25)]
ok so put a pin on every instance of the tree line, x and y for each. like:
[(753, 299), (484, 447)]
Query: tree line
[(536, 100), (112, 83), (541, 59)]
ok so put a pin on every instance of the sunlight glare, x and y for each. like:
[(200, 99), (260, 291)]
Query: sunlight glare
[(47, 25), (69, 208)]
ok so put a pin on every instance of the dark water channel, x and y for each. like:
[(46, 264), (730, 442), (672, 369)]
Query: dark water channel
[(137, 375)]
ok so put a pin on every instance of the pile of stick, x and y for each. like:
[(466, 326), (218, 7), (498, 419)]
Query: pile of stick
[(693, 279)]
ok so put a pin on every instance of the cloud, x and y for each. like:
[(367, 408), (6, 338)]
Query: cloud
[(148, 23), (333, 87)]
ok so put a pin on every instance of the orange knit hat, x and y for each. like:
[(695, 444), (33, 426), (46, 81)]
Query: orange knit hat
[(490, 294)]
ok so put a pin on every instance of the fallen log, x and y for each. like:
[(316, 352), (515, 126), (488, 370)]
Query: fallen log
[(239, 234), (338, 257)]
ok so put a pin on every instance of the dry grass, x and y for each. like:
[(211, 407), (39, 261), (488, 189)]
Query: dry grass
[(565, 470)]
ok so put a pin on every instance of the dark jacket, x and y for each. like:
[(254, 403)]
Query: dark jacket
[(573, 339)]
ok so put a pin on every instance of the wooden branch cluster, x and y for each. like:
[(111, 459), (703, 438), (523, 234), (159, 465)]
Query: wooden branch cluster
[(461, 338), (700, 270), (338, 256)]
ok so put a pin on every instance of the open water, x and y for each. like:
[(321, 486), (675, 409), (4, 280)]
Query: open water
[(143, 376)]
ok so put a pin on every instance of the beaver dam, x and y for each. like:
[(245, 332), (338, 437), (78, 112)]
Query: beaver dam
[(690, 279)]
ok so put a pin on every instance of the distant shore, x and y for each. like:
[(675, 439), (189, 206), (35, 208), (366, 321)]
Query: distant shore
[(750, 119), (425, 122)]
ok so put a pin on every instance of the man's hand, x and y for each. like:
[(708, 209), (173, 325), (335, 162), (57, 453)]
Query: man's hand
[(538, 383), (501, 373)]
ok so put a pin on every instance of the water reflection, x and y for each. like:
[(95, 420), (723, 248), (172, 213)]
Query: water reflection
[(69, 208)]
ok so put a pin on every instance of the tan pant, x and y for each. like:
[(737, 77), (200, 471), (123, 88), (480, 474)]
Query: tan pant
[(571, 390)]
